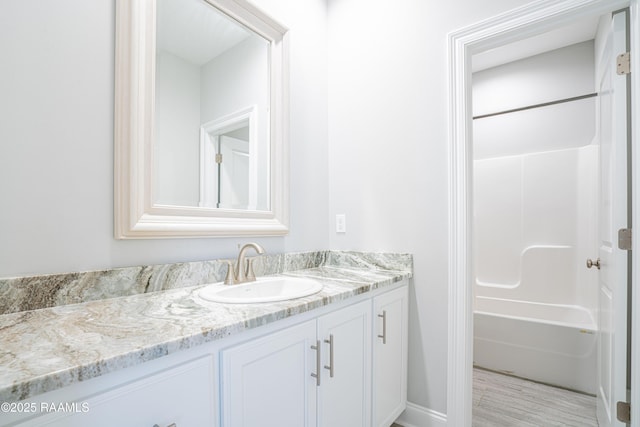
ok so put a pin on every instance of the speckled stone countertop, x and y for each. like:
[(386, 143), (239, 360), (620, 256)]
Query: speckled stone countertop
[(49, 348)]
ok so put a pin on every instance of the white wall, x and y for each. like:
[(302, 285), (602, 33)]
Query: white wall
[(177, 144), (555, 75), (56, 140), (558, 74), (236, 79), (388, 152)]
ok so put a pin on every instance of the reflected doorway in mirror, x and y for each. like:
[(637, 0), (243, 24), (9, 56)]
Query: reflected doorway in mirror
[(233, 170)]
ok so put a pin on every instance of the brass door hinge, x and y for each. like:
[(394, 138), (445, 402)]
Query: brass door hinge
[(218, 158), (623, 63), (624, 239), (623, 412)]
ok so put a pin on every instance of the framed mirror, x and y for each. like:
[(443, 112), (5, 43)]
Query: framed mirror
[(201, 120)]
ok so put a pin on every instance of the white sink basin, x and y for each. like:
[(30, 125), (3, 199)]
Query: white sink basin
[(264, 289)]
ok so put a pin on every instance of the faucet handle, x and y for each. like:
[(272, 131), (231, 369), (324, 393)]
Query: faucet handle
[(251, 276), (230, 278)]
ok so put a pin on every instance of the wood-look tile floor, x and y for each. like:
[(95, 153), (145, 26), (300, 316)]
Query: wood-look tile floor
[(504, 401)]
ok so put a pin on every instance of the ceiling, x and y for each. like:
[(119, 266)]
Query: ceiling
[(195, 31), (579, 31)]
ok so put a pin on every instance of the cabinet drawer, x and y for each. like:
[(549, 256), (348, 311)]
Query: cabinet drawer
[(184, 395)]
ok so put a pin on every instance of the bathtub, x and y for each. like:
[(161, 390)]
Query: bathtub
[(550, 343)]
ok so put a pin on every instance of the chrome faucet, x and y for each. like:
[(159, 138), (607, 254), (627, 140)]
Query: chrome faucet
[(243, 270)]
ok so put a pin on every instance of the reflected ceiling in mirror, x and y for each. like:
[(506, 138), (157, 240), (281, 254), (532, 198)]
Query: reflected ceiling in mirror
[(201, 119)]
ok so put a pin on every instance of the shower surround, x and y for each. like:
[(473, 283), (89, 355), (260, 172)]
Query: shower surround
[(535, 300)]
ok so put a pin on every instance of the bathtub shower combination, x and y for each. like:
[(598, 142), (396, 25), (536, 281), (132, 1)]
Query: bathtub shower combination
[(553, 344), (534, 299)]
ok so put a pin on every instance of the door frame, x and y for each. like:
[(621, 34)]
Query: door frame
[(529, 20)]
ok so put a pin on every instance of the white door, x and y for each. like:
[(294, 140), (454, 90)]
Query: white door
[(345, 390), (234, 173), (267, 381), (389, 356), (612, 318)]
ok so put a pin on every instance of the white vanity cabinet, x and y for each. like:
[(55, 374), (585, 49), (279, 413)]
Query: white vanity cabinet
[(183, 395), (313, 374), (360, 352), (343, 365), (390, 356)]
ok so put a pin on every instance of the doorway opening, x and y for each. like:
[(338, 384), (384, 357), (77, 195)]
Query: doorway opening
[(532, 20), (535, 212)]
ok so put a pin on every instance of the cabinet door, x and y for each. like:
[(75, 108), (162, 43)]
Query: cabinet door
[(345, 390), (389, 356), (184, 395), (267, 381)]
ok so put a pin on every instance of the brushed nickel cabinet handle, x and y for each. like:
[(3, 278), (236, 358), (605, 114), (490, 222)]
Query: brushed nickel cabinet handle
[(330, 366), (384, 326), (316, 375)]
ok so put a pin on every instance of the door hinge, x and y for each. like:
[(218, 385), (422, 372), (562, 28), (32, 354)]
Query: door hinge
[(623, 63), (218, 158), (624, 239), (623, 412)]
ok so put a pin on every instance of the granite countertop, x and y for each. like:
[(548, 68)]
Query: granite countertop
[(46, 349)]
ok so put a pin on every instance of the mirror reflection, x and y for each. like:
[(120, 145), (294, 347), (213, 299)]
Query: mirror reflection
[(211, 144)]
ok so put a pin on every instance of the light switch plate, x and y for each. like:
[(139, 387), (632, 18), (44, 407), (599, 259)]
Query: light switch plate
[(341, 223)]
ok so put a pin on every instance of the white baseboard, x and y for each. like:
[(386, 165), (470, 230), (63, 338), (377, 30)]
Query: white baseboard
[(418, 416)]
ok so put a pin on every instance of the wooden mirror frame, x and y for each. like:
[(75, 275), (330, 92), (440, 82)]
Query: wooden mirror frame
[(136, 216)]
